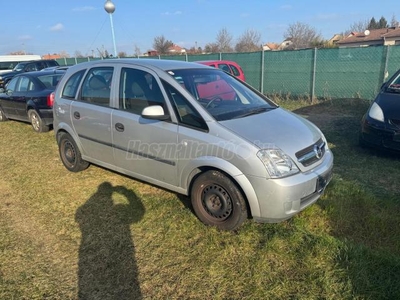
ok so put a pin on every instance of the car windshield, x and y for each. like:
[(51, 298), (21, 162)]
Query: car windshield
[(394, 86), (19, 67), (222, 95)]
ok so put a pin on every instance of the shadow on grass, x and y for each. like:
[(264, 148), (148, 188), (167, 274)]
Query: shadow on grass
[(362, 202), (107, 267)]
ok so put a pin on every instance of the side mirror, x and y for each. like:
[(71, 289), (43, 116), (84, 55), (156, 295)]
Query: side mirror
[(154, 112)]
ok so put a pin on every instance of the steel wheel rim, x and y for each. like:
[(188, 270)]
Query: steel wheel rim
[(216, 202), (69, 154)]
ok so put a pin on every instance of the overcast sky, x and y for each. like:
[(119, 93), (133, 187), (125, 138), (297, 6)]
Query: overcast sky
[(44, 26)]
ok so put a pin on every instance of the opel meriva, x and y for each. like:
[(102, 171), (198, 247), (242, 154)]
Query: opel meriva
[(195, 130)]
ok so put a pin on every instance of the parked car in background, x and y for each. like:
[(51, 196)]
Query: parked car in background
[(228, 66), (29, 97), (380, 126), (27, 66), (237, 157)]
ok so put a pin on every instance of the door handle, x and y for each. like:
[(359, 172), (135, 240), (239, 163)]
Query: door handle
[(77, 115), (119, 127)]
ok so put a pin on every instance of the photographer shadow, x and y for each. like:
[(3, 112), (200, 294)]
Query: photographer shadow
[(107, 266)]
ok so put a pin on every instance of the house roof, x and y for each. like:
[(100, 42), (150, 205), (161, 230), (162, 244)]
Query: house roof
[(374, 35), (272, 46)]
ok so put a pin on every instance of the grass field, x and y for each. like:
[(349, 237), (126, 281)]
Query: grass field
[(69, 235)]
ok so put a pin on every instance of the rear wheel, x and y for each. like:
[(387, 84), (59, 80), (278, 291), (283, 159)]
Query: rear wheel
[(37, 122), (70, 154), (3, 117), (217, 201)]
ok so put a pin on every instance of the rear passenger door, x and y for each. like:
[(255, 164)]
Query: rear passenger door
[(91, 116)]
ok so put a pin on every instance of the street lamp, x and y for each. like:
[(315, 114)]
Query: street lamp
[(110, 8)]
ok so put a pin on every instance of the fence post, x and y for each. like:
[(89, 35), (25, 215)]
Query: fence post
[(262, 72), (186, 56), (220, 56), (385, 72), (65, 61), (313, 76)]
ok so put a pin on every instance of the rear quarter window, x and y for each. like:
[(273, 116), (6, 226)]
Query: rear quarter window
[(72, 84)]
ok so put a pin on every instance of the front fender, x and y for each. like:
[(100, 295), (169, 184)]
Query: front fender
[(196, 166)]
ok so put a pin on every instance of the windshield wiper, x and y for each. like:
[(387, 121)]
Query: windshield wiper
[(254, 111)]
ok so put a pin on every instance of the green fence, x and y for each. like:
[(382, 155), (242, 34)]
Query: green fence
[(318, 73)]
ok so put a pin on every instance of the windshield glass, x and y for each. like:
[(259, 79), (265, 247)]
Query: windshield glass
[(394, 86), (19, 67), (222, 95)]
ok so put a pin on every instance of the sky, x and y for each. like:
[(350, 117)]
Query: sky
[(83, 26)]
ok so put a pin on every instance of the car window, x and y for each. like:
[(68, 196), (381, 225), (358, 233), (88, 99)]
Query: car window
[(235, 70), (52, 63), (395, 84), (72, 84), (12, 84), (186, 113), (50, 81), (31, 67), (222, 95), (25, 84), (137, 90), (225, 68), (96, 86)]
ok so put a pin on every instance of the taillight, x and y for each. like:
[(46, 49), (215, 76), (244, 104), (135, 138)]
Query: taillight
[(50, 99)]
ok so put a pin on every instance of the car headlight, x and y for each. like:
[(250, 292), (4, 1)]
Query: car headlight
[(277, 163), (376, 113), (1, 78)]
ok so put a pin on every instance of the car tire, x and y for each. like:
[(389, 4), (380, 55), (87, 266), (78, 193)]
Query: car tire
[(37, 122), (3, 116), (70, 154), (217, 201)]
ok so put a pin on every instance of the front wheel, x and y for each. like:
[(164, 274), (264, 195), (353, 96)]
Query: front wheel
[(37, 122), (217, 201), (70, 154)]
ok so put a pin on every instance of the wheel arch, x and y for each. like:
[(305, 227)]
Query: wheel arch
[(234, 174)]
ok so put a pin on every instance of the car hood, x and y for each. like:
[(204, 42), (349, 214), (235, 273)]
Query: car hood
[(390, 104), (9, 74), (277, 128)]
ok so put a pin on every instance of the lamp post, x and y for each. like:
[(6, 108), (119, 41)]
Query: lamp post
[(110, 8)]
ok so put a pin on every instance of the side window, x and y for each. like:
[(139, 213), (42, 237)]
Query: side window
[(235, 70), (31, 67), (25, 84), (71, 86), (11, 86), (185, 111), (96, 86), (137, 90), (225, 68)]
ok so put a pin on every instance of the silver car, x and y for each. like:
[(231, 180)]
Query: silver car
[(194, 130)]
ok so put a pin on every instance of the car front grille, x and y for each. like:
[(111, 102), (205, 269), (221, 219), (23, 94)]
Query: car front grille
[(311, 154), (395, 122)]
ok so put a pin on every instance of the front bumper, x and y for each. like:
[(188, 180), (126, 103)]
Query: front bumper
[(380, 135), (281, 199)]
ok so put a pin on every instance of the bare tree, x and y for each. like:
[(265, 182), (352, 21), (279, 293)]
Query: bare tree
[(78, 54), (224, 41), (249, 41), (64, 54), (359, 26), (211, 48), (161, 44), (302, 35), (394, 22), (137, 51), (122, 54)]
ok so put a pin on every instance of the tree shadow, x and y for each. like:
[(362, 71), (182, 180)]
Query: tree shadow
[(107, 267)]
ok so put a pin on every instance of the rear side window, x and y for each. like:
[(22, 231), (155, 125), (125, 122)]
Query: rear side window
[(235, 70), (96, 86), (72, 84)]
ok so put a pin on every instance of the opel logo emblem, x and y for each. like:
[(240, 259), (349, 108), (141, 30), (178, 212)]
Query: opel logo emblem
[(317, 151)]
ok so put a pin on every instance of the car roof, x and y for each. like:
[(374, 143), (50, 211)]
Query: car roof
[(216, 61), (162, 64), (42, 73)]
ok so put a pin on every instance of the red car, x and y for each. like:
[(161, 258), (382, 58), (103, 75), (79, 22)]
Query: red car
[(227, 66)]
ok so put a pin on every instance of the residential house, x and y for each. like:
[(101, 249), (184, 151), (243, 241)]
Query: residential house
[(270, 47), (374, 37)]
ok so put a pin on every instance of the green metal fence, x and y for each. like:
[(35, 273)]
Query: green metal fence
[(310, 73)]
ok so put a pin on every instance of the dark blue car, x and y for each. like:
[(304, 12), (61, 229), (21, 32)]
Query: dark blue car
[(29, 97), (380, 126)]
